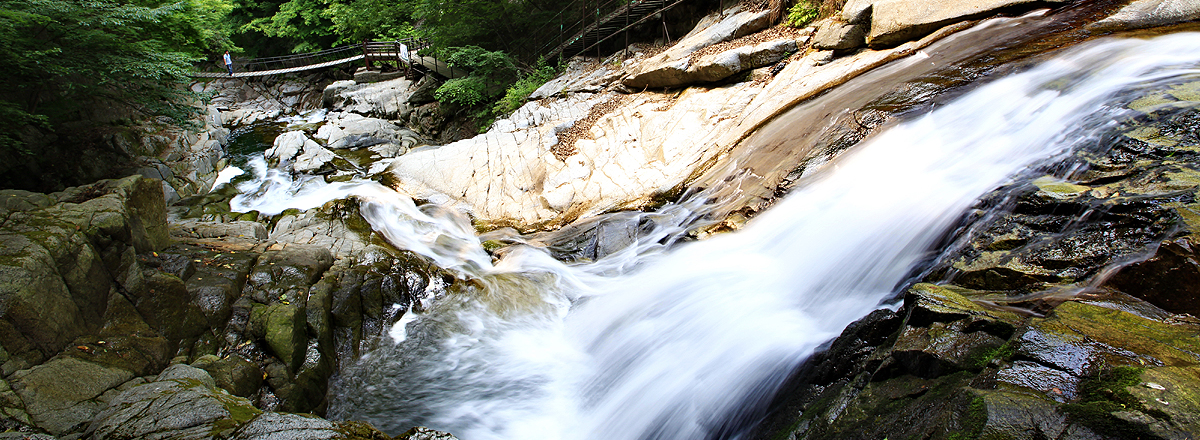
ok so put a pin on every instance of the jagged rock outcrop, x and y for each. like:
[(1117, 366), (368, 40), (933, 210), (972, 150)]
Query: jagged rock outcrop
[(674, 66), (1088, 370), (1037, 330), (99, 297), (385, 99), (295, 152), (352, 131), (246, 101), (897, 21), (552, 162), (582, 76), (1150, 13)]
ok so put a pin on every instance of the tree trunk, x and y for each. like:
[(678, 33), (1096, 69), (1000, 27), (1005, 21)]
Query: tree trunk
[(777, 7)]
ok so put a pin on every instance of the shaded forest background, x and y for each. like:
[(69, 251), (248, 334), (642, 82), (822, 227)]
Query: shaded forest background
[(77, 70)]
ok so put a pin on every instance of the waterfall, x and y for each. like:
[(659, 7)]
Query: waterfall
[(668, 343)]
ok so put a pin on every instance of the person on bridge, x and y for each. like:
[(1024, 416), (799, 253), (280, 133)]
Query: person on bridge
[(228, 63)]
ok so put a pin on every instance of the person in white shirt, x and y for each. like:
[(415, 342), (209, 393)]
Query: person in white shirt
[(229, 63)]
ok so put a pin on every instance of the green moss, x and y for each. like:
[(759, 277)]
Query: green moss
[(985, 356), (973, 420), (240, 410), (354, 430), (1106, 393), (492, 245)]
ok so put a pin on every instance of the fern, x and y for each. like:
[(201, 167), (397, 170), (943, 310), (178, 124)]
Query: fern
[(802, 13)]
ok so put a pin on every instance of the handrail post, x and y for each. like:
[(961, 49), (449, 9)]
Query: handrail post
[(366, 56)]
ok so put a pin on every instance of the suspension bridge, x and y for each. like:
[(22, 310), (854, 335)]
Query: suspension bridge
[(404, 53), (599, 21)]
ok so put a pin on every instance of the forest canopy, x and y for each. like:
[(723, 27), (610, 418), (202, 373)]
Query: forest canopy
[(272, 27), (62, 58)]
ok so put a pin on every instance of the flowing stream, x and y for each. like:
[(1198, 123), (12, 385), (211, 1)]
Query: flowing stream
[(672, 341)]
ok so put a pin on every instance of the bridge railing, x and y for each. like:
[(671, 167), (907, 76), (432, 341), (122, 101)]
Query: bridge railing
[(294, 61)]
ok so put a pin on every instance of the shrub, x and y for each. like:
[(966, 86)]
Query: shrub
[(516, 95), (802, 13), (490, 71)]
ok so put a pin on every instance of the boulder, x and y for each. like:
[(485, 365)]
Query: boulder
[(897, 21), (580, 77), (62, 395), (423, 90), (172, 408), (166, 304), (313, 158), (185, 372), (423, 433), (1149, 13), (351, 131), (337, 226), (332, 97), (277, 426), (285, 271), (242, 229), (295, 152), (856, 12), (57, 263), (283, 326), (379, 97), (1169, 279), (232, 373), (363, 75), (711, 68), (838, 35), (663, 69)]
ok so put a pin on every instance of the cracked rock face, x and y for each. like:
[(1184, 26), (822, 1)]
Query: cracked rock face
[(670, 68), (510, 174)]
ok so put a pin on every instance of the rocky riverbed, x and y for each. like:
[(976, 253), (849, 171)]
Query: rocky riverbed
[(152, 307)]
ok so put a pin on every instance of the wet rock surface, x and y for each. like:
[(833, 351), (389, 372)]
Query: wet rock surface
[(101, 297), (246, 315), (1062, 313)]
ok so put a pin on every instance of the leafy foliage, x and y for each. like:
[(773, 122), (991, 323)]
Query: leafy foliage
[(495, 25), (802, 13), (267, 27), (362, 20), (515, 96), (467, 91), (62, 57), (490, 71)]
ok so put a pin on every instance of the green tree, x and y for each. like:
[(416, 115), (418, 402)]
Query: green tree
[(491, 73), (268, 27), (65, 59), (494, 25), (361, 20)]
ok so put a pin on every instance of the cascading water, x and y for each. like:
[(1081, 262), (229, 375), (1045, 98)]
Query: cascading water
[(658, 343)]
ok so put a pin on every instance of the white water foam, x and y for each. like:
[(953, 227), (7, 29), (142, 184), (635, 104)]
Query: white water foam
[(653, 345)]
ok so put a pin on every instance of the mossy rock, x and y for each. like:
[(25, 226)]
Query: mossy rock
[(173, 408), (232, 373), (164, 302), (283, 327), (1169, 279), (1084, 338), (284, 273), (944, 303)]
